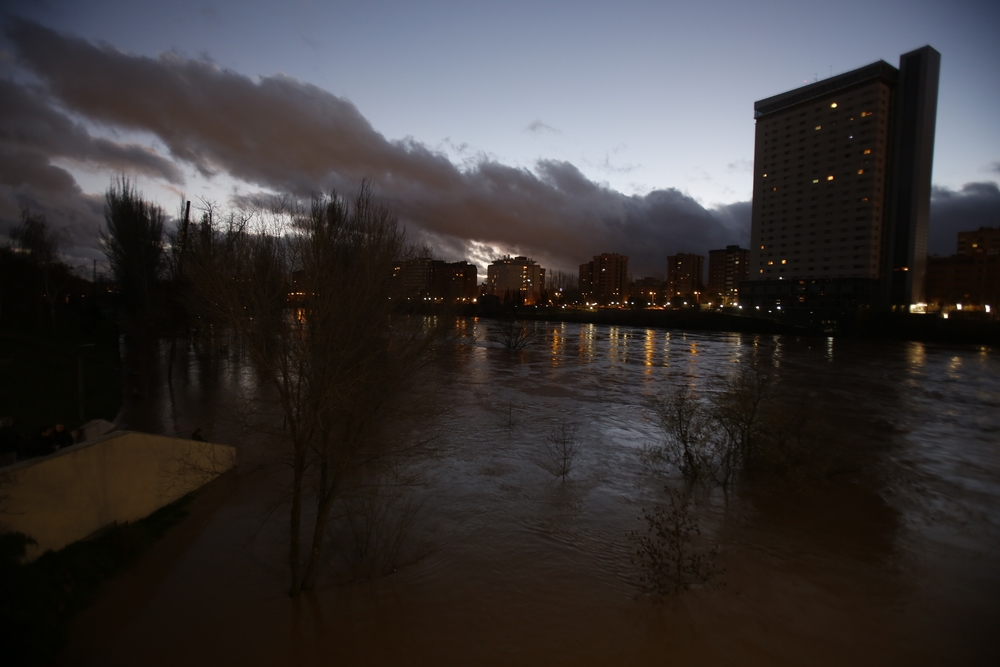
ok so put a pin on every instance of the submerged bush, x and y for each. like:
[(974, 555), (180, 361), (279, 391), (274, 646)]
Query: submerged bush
[(666, 554), (560, 449), (512, 334), (741, 425)]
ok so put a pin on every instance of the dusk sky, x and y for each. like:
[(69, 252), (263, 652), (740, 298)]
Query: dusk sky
[(556, 130)]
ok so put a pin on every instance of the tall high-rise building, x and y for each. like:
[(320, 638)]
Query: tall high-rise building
[(841, 199), (518, 279), (684, 276), (605, 279), (727, 268)]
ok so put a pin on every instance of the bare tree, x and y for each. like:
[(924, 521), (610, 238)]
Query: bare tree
[(560, 449), (307, 292), (509, 413), (133, 242), (512, 334), (667, 554), (711, 438), (686, 428), (741, 425), (36, 240), (379, 514)]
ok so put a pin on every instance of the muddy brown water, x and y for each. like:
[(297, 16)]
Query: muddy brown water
[(895, 561)]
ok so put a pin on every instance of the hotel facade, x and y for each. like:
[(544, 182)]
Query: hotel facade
[(842, 180)]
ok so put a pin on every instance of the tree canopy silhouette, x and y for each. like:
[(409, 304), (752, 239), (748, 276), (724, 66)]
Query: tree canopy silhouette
[(133, 242)]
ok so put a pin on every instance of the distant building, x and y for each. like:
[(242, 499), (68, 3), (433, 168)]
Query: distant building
[(984, 241), (684, 276), (841, 194), (604, 280), (970, 278), (517, 280), (435, 280), (411, 278), (457, 281), (727, 268)]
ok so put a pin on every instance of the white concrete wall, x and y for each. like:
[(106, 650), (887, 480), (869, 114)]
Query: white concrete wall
[(121, 477)]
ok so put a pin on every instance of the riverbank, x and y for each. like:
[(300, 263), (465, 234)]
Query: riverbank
[(865, 325)]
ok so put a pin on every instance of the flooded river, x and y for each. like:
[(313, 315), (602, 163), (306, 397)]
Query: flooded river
[(895, 560)]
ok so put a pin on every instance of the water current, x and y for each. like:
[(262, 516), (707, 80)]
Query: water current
[(895, 559)]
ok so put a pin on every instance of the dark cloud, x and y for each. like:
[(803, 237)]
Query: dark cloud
[(33, 134), (282, 134), (29, 122), (975, 205), (994, 168), (29, 181)]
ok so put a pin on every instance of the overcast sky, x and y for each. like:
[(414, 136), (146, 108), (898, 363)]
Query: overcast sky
[(556, 130)]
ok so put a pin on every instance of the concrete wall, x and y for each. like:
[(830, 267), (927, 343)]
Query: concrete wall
[(121, 477)]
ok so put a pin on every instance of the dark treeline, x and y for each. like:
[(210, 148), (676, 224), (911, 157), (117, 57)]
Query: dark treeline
[(58, 344)]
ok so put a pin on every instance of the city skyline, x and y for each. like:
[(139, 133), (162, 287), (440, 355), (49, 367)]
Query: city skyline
[(489, 136)]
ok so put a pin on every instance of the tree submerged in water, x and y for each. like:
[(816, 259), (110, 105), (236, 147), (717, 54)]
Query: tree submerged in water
[(133, 242), (666, 555), (740, 425), (512, 334), (560, 449), (308, 293)]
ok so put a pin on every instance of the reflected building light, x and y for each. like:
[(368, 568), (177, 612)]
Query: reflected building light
[(649, 347), (954, 363)]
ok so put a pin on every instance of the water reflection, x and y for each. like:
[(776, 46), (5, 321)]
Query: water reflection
[(898, 542), (649, 348), (558, 343), (916, 354), (586, 335)]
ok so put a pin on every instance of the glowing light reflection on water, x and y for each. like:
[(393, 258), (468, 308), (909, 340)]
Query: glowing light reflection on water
[(894, 559)]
